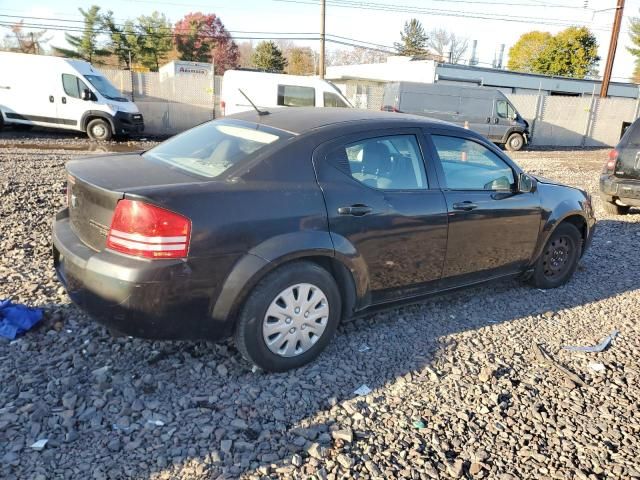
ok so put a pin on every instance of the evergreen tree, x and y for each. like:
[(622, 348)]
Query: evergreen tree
[(267, 56), (413, 39), (86, 46)]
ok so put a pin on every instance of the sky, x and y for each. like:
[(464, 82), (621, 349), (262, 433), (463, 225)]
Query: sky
[(378, 26)]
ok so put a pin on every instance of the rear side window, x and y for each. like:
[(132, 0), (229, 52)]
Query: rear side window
[(469, 165), (73, 86), (386, 163), (333, 100), (296, 96), (214, 148)]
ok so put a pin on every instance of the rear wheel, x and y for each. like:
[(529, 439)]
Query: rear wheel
[(99, 129), (559, 258), (515, 142), (21, 127), (615, 209), (289, 318)]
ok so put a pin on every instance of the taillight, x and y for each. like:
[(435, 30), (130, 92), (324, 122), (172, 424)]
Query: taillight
[(223, 107), (610, 166), (144, 230)]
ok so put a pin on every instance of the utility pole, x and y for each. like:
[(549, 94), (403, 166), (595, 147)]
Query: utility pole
[(613, 44), (322, 38)]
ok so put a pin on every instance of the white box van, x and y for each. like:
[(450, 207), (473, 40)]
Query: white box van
[(274, 90), (61, 93)]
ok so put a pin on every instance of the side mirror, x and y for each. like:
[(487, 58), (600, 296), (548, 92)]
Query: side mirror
[(86, 94), (526, 183)]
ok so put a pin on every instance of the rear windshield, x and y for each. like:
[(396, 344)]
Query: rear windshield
[(213, 148), (631, 137)]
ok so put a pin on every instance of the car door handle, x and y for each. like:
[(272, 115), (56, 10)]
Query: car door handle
[(488, 119), (51, 98), (355, 210), (465, 206), (64, 100), (496, 120)]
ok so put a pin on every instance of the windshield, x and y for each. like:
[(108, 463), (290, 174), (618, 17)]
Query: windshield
[(103, 86), (214, 147)]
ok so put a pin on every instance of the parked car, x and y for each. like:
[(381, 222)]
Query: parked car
[(620, 179), (57, 92), (273, 227), (485, 110), (274, 90)]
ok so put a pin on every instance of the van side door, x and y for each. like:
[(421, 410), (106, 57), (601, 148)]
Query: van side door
[(478, 111), (70, 105), (503, 120)]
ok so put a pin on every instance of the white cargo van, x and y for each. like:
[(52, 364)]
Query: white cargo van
[(58, 92), (274, 90)]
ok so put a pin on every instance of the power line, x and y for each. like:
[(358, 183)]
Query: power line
[(439, 12)]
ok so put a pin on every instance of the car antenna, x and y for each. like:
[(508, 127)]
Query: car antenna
[(260, 112)]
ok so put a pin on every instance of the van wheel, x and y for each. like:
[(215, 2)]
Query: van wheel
[(515, 142), (21, 127), (99, 129), (615, 209), (289, 318), (559, 258)]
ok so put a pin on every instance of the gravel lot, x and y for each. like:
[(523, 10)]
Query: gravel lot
[(456, 389)]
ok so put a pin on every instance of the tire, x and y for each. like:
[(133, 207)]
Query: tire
[(559, 258), (21, 127), (515, 142), (269, 297), (615, 209), (99, 129)]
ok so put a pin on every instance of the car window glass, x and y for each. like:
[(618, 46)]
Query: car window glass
[(502, 109), (469, 165), (70, 84), (511, 111), (296, 96), (333, 100), (387, 163)]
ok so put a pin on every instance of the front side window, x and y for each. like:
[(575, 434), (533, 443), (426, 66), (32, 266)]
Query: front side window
[(73, 86), (505, 110), (296, 96), (333, 100), (213, 148), (102, 85), (386, 163), (469, 165)]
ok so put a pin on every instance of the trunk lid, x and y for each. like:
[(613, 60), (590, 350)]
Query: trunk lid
[(95, 185)]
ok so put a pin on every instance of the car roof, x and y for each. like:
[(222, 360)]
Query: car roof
[(299, 120)]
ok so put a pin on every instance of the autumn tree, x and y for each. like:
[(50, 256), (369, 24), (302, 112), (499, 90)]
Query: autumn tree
[(527, 50), (634, 35), (267, 56), (25, 42), (413, 39), (203, 38), (447, 45), (86, 46), (300, 61), (573, 52)]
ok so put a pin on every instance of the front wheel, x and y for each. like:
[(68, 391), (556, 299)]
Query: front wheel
[(515, 142), (559, 258), (289, 318), (99, 129)]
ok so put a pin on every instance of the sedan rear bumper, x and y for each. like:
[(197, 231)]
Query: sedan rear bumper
[(143, 298)]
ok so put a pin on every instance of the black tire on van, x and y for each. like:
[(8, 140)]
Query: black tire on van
[(515, 142), (99, 129)]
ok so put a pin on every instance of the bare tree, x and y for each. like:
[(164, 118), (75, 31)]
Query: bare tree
[(447, 45), (355, 56), (25, 42), (245, 51)]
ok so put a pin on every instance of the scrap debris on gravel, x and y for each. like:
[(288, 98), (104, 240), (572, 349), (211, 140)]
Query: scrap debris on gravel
[(457, 389)]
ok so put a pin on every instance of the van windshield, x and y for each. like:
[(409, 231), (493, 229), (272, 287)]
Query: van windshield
[(213, 148), (105, 89)]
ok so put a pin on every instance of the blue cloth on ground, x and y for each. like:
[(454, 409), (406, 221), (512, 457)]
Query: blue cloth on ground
[(16, 319)]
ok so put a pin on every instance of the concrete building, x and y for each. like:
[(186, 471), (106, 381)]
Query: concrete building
[(430, 71)]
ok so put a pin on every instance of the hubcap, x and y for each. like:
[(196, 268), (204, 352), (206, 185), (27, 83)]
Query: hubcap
[(295, 320), (98, 131), (556, 257)]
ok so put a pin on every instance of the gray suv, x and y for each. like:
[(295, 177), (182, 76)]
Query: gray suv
[(620, 179)]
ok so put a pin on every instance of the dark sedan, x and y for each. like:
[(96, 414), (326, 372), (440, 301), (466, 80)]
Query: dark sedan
[(273, 227)]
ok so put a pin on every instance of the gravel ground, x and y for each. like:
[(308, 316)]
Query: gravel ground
[(456, 389)]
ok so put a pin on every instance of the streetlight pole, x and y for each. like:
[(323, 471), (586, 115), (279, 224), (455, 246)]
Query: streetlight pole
[(131, 75), (613, 44), (322, 38)]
